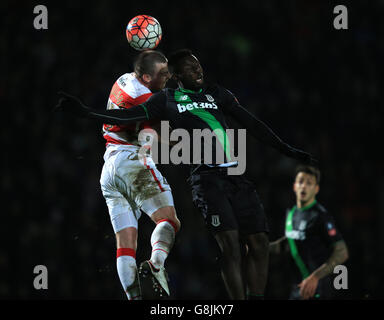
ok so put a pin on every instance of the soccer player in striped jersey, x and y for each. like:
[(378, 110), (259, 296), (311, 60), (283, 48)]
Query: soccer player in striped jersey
[(130, 186), (312, 238), (229, 203)]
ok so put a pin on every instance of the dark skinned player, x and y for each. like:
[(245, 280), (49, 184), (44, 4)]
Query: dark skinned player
[(229, 203)]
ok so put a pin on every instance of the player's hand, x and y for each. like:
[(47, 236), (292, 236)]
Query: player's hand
[(301, 156), (308, 287), (71, 104)]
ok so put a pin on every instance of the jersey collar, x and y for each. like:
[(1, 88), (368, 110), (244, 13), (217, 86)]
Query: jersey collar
[(190, 91), (309, 206)]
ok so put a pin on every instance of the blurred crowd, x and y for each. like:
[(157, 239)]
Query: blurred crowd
[(317, 87)]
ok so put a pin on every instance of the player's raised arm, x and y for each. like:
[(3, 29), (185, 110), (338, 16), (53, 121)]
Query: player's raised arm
[(262, 132), (146, 111)]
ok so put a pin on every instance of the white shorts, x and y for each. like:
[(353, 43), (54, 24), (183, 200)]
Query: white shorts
[(130, 185)]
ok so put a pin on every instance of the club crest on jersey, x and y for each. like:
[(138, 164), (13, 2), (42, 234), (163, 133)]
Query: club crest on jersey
[(184, 98), (209, 98), (215, 220), (121, 81)]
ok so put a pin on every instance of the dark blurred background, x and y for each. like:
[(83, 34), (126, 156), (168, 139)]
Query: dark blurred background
[(317, 87)]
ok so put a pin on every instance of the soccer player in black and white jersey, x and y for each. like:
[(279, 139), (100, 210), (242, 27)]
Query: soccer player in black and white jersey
[(229, 203), (316, 245)]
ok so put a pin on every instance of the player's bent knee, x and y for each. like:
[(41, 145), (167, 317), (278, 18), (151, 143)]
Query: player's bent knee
[(229, 244), (176, 223), (167, 213)]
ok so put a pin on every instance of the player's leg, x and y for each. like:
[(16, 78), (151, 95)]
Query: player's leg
[(210, 192), (126, 243), (253, 228), (256, 264), (147, 189), (161, 210), (163, 236), (124, 223), (230, 261), (157, 202)]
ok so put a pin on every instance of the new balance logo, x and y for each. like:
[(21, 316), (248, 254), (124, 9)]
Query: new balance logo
[(196, 105)]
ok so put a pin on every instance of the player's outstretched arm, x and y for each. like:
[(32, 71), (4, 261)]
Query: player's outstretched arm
[(264, 134), (73, 105)]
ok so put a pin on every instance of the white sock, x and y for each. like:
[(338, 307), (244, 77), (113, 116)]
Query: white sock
[(127, 271), (162, 239)]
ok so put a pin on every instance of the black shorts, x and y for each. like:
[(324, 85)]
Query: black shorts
[(228, 202)]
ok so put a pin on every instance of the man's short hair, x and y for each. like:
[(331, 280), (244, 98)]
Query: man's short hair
[(145, 62), (310, 170), (176, 58)]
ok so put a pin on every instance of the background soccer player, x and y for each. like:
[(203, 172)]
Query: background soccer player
[(129, 186), (229, 204), (312, 238)]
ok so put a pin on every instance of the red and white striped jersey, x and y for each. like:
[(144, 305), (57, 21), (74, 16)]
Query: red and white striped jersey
[(126, 92)]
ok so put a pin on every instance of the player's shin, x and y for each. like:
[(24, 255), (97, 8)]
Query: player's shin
[(127, 271), (162, 239)]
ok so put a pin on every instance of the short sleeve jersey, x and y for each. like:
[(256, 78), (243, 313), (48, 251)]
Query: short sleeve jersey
[(126, 92), (310, 232)]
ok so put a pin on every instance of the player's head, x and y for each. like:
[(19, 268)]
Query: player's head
[(306, 184), (186, 69), (151, 68)]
